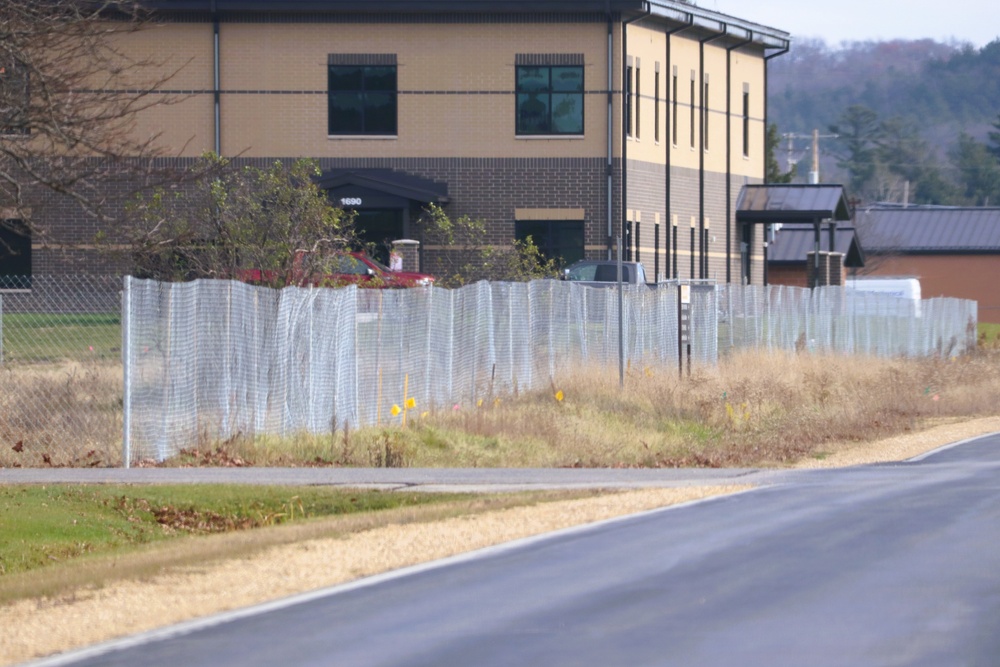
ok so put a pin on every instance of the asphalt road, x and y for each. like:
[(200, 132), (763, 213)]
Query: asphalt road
[(870, 566)]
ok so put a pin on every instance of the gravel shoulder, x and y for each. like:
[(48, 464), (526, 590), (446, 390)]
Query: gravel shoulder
[(35, 628)]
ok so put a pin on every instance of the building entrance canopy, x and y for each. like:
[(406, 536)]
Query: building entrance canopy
[(778, 205), (380, 188)]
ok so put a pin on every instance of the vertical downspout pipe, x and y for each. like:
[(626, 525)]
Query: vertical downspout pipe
[(624, 106), (729, 153), (609, 167), (703, 115), (670, 136), (782, 51), (217, 83)]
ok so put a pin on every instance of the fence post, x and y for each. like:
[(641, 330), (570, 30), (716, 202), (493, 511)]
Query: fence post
[(621, 325), (126, 373), (1, 328)]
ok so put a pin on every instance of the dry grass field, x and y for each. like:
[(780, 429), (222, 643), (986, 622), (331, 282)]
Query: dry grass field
[(66, 413), (754, 409)]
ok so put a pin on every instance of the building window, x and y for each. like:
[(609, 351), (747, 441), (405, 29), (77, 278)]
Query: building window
[(549, 99), (14, 98), (628, 101), (559, 240), (746, 123), (363, 95), (656, 107), (694, 92), (15, 255), (673, 113), (638, 99), (705, 117)]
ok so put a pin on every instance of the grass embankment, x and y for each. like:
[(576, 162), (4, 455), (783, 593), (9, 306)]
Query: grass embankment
[(49, 337), (754, 409), (58, 538)]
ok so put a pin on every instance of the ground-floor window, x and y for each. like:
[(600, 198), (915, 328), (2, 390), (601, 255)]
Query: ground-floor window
[(15, 255), (561, 240)]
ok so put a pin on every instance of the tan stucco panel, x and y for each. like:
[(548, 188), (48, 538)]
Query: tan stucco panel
[(549, 214)]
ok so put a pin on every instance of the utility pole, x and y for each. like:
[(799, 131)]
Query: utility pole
[(815, 137)]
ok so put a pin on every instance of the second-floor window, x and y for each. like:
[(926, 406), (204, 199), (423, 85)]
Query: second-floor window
[(362, 97), (549, 99)]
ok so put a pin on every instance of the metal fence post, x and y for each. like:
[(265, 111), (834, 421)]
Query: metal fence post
[(126, 373), (621, 325)]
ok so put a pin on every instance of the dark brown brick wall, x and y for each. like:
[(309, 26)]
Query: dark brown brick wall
[(488, 189)]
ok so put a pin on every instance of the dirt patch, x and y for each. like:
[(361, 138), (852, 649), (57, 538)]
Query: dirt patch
[(34, 628)]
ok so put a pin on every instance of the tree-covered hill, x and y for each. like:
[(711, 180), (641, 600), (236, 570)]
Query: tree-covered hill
[(917, 112)]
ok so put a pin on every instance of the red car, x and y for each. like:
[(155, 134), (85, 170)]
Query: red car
[(354, 268)]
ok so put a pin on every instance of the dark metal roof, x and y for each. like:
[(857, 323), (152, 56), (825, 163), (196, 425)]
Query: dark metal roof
[(930, 229), (389, 181), (671, 11), (791, 203), (794, 241)]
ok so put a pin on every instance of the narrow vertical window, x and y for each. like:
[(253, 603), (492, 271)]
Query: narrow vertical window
[(656, 107), (705, 116), (694, 108), (638, 99), (746, 123), (628, 101), (673, 111)]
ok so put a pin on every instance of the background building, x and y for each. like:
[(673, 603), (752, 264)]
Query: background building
[(955, 252), (572, 121)]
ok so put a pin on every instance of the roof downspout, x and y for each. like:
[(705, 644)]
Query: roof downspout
[(702, 250), (669, 135), (729, 153), (217, 79), (624, 107), (608, 169), (763, 157)]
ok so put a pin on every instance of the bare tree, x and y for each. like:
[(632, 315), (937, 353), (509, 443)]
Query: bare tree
[(69, 99)]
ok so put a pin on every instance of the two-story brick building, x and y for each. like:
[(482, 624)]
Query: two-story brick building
[(572, 121)]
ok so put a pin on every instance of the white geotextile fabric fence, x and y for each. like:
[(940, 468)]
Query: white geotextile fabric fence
[(208, 360), (837, 319)]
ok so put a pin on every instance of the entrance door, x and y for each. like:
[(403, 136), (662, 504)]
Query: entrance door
[(378, 228)]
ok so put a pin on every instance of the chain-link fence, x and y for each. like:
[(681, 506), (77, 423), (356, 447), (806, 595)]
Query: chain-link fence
[(209, 360), (60, 371)]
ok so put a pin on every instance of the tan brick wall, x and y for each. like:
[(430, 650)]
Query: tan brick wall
[(261, 60)]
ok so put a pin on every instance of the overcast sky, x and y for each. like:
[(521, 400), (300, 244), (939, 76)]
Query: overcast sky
[(975, 21)]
